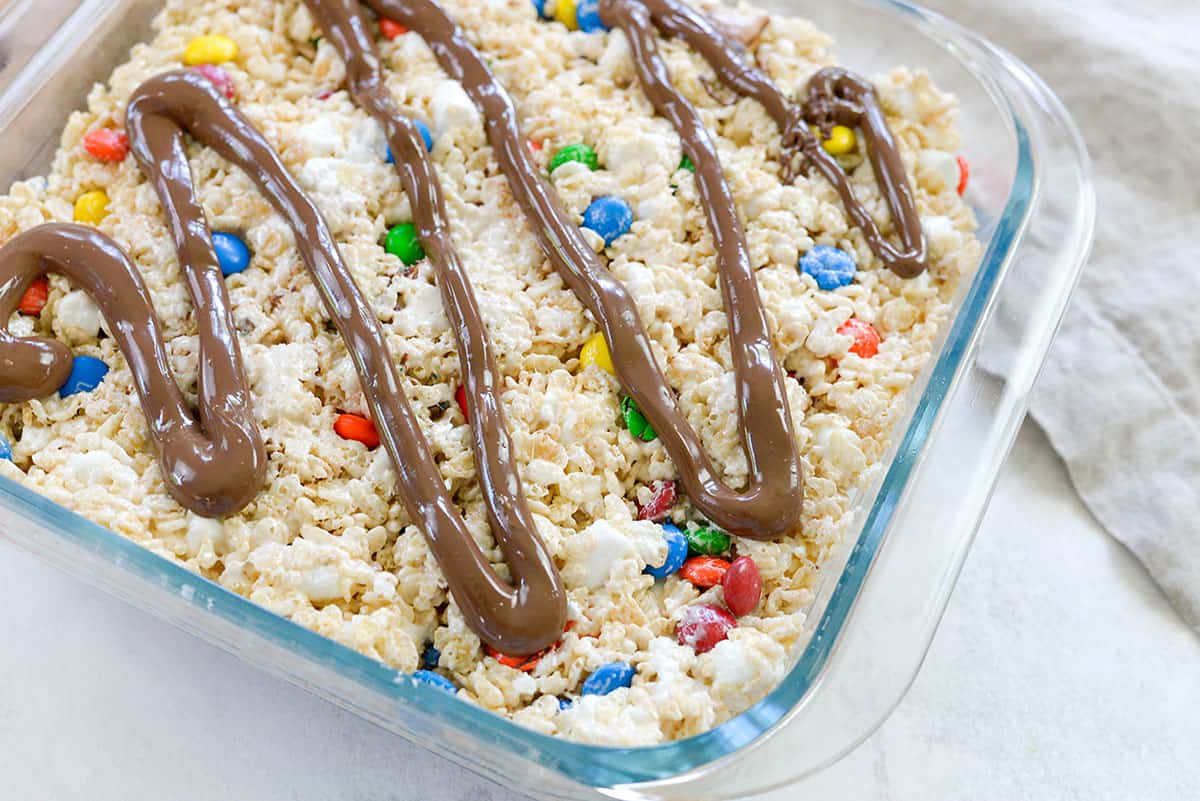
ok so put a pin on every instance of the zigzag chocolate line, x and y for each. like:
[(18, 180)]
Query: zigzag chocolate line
[(835, 95), (770, 505)]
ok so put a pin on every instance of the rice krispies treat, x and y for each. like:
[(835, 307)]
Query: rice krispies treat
[(327, 543)]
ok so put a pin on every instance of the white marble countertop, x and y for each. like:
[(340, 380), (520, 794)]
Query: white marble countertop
[(1059, 672)]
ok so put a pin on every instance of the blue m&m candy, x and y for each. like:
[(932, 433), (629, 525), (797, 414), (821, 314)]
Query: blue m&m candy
[(677, 552), (431, 657), (587, 14), (831, 267), (540, 7), (86, 375), (607, 678), (422, 129), (435, 680), (564, 704), (232, 253), (5, 449), (610, 217)]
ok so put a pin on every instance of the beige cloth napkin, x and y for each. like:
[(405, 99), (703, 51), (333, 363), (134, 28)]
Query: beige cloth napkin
[(1120, 397)]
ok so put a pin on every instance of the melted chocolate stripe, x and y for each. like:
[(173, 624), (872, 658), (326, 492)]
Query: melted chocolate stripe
[(214, 467), (770, 506), (515, 620), (520, 619), (835, 95), (760, 381)]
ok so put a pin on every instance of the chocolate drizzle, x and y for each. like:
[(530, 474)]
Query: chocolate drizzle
[(770, 506), (216, 464), (213, 467), (515, 620), (835, 96), (221, 476)]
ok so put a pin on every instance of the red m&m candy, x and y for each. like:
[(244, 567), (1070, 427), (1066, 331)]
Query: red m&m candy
[(34, 299), (866, 338), (964, 174), (107, 145), (743, 586), (391, 29), (704, 571), (662, 501), (703, 626), (358, 429), (460, 395), (525, 664), (219, 78)]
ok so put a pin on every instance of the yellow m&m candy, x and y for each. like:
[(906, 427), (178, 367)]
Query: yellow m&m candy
[(565, 13), (211, 49), (91, 207), (595, 351), (841, 141)]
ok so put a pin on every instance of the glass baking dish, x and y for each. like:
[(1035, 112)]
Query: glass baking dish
[(883, 591)]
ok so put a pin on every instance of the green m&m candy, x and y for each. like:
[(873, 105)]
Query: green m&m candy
[(635, 421), (685, 163), (403, 243), (707, 540), (581, 153)]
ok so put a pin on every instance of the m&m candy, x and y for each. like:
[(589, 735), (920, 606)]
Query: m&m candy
[(391, 29), (356, 428), (841, 141), (232, 253), (460, 397), (662, 501), (218, 78), (107, 145), (5, 449), (587, 16), (607, 678), (610, 217), (583, 154), (686, 163), (403, 243), (87, 373), (34, 299), (435, 680), (742, 585), (595, 351), (703, 626), (540, 7), (525, 664), (635, 421), (704, 571), (865, 338), (91, 207), (211, 49), (430, 658), (831, 267), (564, 12), (708, 540), (677, 550)]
